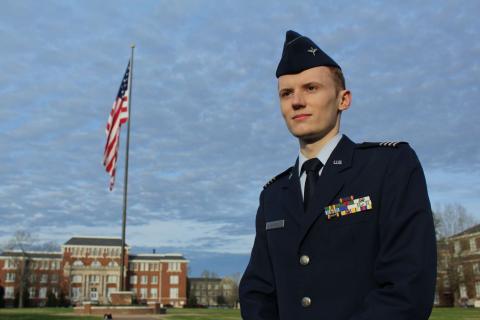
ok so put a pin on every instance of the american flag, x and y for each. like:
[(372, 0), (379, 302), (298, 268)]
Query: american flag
[(118, 116)]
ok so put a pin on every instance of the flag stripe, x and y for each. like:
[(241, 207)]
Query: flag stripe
[(117, 117)]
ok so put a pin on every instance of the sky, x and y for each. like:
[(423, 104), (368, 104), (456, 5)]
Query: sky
[(206, 129)]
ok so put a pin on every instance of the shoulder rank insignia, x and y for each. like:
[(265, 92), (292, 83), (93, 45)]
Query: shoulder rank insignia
[(288, 171), (391, 144)]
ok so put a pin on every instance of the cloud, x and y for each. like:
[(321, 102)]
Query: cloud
[(206, 128)]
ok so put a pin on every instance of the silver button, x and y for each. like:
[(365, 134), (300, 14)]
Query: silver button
[(306, 302), (304, 260)]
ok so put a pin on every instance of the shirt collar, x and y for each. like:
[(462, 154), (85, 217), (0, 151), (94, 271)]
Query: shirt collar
[(324, 153)]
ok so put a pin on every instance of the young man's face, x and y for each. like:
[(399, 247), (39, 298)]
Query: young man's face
[(311, 103)]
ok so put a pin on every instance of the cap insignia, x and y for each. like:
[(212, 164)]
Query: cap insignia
[(312, 50)]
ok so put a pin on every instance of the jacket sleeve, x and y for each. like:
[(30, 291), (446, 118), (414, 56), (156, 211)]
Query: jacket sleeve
[(405, 268), (257, 288)]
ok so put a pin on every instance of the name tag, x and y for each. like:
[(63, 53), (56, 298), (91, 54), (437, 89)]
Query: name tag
[(277, 224)]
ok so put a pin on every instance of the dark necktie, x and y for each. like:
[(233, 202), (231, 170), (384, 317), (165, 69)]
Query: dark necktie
[(311, 167)]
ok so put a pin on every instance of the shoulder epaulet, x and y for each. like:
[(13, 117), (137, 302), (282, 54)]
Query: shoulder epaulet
[(288, 171), (391, 144)]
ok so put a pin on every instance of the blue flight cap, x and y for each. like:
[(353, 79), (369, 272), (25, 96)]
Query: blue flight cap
[(300, 53)]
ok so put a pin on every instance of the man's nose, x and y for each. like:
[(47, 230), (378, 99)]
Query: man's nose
[(298, 101)]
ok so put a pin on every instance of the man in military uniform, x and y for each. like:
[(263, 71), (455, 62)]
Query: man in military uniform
[(347, 232)]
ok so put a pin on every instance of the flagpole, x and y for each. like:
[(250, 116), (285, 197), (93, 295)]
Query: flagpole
[(125, 184)]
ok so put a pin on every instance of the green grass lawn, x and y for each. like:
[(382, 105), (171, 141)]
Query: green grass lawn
[(455, 313), (197, 314), (42, 314), (203, 314)]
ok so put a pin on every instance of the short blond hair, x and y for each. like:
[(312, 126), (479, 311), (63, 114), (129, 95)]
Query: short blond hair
[(338, 78)]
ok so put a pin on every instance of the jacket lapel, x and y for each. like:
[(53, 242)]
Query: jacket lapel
[(329, 184)]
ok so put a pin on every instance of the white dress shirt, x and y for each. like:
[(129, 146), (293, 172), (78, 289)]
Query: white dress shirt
[(323, 156)]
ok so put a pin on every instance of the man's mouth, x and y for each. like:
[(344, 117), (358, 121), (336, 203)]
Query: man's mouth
[(301, 116)]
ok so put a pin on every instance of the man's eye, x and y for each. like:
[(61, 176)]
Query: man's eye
[(285, 94), (312, 88)]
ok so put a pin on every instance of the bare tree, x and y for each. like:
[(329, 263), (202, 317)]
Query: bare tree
[(230, 290), (451, 219), (21, 242), (48, 246)]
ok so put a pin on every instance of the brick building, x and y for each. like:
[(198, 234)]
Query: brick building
[(88, 269), (213, 291), (458, 271)]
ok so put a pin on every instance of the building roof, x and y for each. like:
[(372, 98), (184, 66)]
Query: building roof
[(95, 241), (474, 229), (32, 254), (156, 256)]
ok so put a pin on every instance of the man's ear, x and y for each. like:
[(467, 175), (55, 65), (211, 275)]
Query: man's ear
[(345, 100)]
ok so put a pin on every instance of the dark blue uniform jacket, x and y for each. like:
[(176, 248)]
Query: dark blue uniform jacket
[(375, 264)]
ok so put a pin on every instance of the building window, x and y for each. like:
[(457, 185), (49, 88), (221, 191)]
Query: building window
[(9, 293), (55, 265), (476, 268), (77, 278), (173, 293), (94, 278), (457, 247), (33, 278), (10, 264), (96, 264), (78, 263), (76, 293), (473, 244), (54, 278), (44, 278), (144, 280), (463, 291), (31, 292), (173, 279), (133, 279), (154, 279), (10, 277), (143, 293), (477, 289), (460, 271), (436, 300), (153, 293), (174, 266), (113, 264), (42, 293), (112, 279)]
